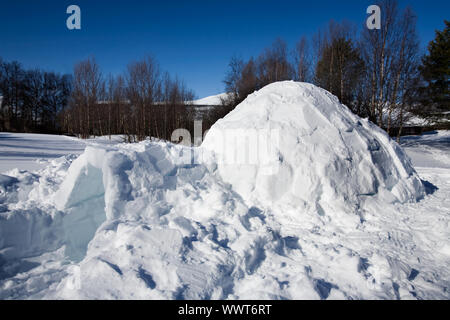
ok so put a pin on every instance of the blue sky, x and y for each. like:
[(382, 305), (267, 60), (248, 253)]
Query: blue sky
[(192, 39)]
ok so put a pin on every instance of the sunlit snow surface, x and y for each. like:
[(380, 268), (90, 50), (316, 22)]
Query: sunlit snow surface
[(34, 151), (344, 217)]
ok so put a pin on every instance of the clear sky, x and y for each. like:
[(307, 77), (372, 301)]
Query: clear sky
[(192, 39)]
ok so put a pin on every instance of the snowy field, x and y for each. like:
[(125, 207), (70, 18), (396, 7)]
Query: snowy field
[(34, 151), (335, 210)]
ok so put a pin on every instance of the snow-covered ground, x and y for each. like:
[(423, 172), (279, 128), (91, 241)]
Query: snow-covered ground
[(34, 151), (431, 150), (331, 208)]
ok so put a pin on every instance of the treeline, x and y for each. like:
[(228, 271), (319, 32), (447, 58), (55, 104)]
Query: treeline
[(379, 74), (142, 102), (31, 100)]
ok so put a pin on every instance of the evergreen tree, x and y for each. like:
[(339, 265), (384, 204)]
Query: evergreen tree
[(435, 71)]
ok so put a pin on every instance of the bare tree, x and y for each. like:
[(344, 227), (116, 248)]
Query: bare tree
[(378, 51), (140, 104), (34, 100), (87, 87), (406, 67), (31, 99), (273, 64), (302, 60), (232, 80), (391, 58), (243, 78), (144, 83)]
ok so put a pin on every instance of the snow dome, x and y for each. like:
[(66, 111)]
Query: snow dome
[(318, 150)]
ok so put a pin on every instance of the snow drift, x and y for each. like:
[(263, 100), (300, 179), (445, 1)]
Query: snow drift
[(162, 221)]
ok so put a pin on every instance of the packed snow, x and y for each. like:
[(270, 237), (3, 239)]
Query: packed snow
[(290, 196)]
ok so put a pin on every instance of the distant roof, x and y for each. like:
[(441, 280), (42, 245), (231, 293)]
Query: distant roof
[(211, 100)]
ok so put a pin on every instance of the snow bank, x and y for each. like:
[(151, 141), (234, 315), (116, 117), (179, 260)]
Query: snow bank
[(284, 220)]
